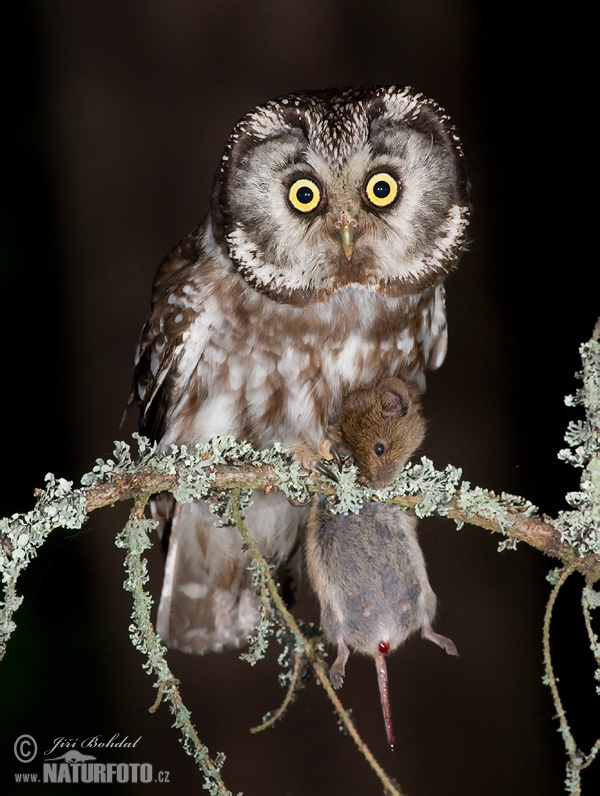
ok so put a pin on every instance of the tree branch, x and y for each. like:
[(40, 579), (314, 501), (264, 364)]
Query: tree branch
[(212, 471), (505, 514)]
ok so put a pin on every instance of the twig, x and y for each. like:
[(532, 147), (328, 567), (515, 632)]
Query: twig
[(289, 695), (594, 644), (577, 760), (145, 639)]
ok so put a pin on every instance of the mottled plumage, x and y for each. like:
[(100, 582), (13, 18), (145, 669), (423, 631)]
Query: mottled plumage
[(335, 218)]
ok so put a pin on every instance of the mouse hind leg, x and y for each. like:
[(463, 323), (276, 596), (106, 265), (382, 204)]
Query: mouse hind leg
[(442, 641), (338, 667)]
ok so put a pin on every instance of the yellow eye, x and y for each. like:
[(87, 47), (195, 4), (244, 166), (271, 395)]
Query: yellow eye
[(304, 195), (381, 189)]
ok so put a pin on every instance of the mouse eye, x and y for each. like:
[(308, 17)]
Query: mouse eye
[(379, 448)]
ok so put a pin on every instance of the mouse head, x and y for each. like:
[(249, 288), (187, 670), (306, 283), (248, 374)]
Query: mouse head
[(382, 424)]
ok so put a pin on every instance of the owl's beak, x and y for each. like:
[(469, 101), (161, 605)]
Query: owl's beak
[(346, 227)]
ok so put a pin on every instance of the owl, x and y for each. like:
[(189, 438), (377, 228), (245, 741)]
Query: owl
[(335, 218)]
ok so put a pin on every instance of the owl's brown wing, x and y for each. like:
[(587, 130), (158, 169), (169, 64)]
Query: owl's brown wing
[(162, 340), (156, 384)]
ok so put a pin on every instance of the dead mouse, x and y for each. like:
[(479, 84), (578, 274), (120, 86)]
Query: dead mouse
[(368, 569), (369, 574), (382, 425)]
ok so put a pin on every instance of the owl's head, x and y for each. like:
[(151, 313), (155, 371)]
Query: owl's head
[(326, 189)]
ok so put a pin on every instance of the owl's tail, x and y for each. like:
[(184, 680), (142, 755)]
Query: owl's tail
[(208, 602)]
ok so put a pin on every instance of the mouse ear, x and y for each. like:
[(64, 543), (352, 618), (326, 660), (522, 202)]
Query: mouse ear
[(393, 404), (353, 402)]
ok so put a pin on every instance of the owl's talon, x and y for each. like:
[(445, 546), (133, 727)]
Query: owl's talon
[(336, 456), (329, 451), (311, 460), (299, 503), (324, 470)]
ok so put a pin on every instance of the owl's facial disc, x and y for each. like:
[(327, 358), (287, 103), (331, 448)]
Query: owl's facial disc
[(317, 194)]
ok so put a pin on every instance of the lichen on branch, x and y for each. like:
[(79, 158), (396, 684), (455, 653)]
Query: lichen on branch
[(226, 471)]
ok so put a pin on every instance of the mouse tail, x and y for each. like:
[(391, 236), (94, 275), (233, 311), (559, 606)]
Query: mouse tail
[(382, 682)]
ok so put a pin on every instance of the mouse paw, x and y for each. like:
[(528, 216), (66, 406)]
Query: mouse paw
[(442, 641), (337, 670), (447, 644), (336, 676)]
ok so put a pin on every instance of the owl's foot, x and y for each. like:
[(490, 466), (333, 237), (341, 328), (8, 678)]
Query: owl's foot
[(313, 460), (329, 451)]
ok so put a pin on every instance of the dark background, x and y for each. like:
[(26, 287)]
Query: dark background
[(115, 116)]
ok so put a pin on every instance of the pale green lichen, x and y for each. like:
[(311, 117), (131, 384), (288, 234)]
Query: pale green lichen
[(135, 540), (434, 487), (194, 481), (23, 534), (258, 641), (349, 496), (590, 601), (593, 597), (195, 467), (554, 575), (580, 526), (477, 501), (580, 529), (291, 478), (122, 462), (437, 493)]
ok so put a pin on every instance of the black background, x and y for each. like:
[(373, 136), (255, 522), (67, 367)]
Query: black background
[(115, 116)]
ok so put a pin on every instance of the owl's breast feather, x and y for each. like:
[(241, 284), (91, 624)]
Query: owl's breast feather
[(266, 371)]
